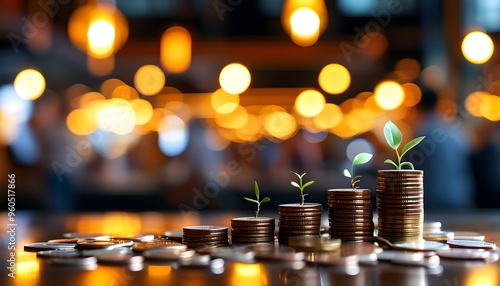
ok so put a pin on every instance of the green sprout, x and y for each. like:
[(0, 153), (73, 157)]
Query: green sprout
[(258, 201), (301, 186), (394, 137), (359, 159)]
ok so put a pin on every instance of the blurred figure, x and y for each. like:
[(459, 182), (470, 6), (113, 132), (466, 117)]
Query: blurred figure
[(444, 156)]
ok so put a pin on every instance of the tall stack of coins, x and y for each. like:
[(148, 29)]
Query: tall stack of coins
[(298, 220), (205, 235), (400, 204), (245, 230), (350, 214)]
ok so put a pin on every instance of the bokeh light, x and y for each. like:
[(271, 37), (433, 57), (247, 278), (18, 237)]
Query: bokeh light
[(29, 84), (477, 47), (389, 95), (304, 23), (235, 119), (143, 111), (149, 79), (473, 102), (81, 122), (407, 69), (329, 117), (413, 94), (223, 102), (101, 36), (334, 78), (234, 78), (14, 107), (358, 146), (310, 103), (173, 135), (489, 107), (175, 53), (280, 124)]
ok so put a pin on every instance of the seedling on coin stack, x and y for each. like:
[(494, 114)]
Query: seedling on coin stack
[(301, 186), (257, 201), (400, 192), (350, 210), (359, 159), (245, 230)]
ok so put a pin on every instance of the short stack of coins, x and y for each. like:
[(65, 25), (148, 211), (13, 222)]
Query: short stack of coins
[(246, 230), (400, 204), (298, 220), (350, 214), (205, 235)]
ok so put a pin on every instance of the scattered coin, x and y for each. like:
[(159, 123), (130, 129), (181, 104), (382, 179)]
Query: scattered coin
[(167, 254), (464, 253), (40, 246), (156, 243), (331, 259), (59, 253), (472, 244), (468, 235), (89, 243), (441, 236)]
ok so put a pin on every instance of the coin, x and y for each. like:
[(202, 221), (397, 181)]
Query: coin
[(464, 253), (59, 253), (472, 244), (432, 225), (399, 173), (64, 240), (89, 243), (441, 236), (252, 221), (119, 258), (157, 242), (85, 235), (74, 261), (204, 229), (468, 235), (166, 254), (40, 246), (420, 246)]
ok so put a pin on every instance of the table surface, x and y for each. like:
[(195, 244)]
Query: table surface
[(35, 227)]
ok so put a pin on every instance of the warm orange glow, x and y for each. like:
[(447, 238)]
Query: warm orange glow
[(413, 94), (309, 103), (329, 117), (149, 79), (473, 102), (112, 223), (214, 141), (159, 270), (101, 66), (175, 51), (92, 27), (280, 124), (101, 36), (29, 84), (389, 95), (125, 92), (251, 130), (489, 107), (109, 85), (343, 130), (487, 275), (320, 15), (377, 44), (304, 23), (158, 114), (334, 78), (115, 115), (27, 269), (81, 122), (223, 102), (246, 274), (235, 119), (143, 111), (477, 47), (234, 78)]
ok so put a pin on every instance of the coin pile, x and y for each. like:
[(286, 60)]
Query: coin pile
[(350, 214), (205, 235), (298, 220), (246, 230), (400, 204)]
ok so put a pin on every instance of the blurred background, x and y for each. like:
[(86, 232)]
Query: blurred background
[(180, 105)]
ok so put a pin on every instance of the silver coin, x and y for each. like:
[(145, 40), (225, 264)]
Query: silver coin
[(85, 235), (327, 258), (468, 235), (98, 243), (59, 253), (240, 253), (104, 251), (472, 244), (420, 246), (195, 260), (40, 246), (464, 253), (120, 258), (74, 261), (136, 237), (167, 253)]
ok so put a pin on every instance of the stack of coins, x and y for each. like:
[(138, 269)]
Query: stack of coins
[(246, 230), (400, 204), (298, 220), (205, 235), (350, 214)]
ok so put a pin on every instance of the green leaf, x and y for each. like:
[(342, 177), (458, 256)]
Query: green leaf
[(408, 164), (295, 184), (296, 174), (411, 144), (389, 161), (346, 173), (250, 200), (265, 200), (257, 191), (361, 158), (308, 184), (392, 135)]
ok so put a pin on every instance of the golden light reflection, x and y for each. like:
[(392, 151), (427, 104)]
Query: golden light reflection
[(115, 115), (280, 124), (236, 119), (81, 122), (157, 116), (101, 66), (334, 78), (27, 269), (251, 130), (489, 107), (304, 23), (101, 36), (487, 275), (329, 117), (125, 92), (29, 84), (87, 98), (408, 69), (175, 50), (234, 78), (413, 94), (112, 223), (309, 103), (157, 271), (389, 95), (149, 79), (109, 85), (223, 102), (143, 111), (317, 6), (477, 47), (9, 129), (473, 102), (343, 130), (247, 274)]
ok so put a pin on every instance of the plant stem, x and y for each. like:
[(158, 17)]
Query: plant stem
[(398, 167), (258, 210)]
